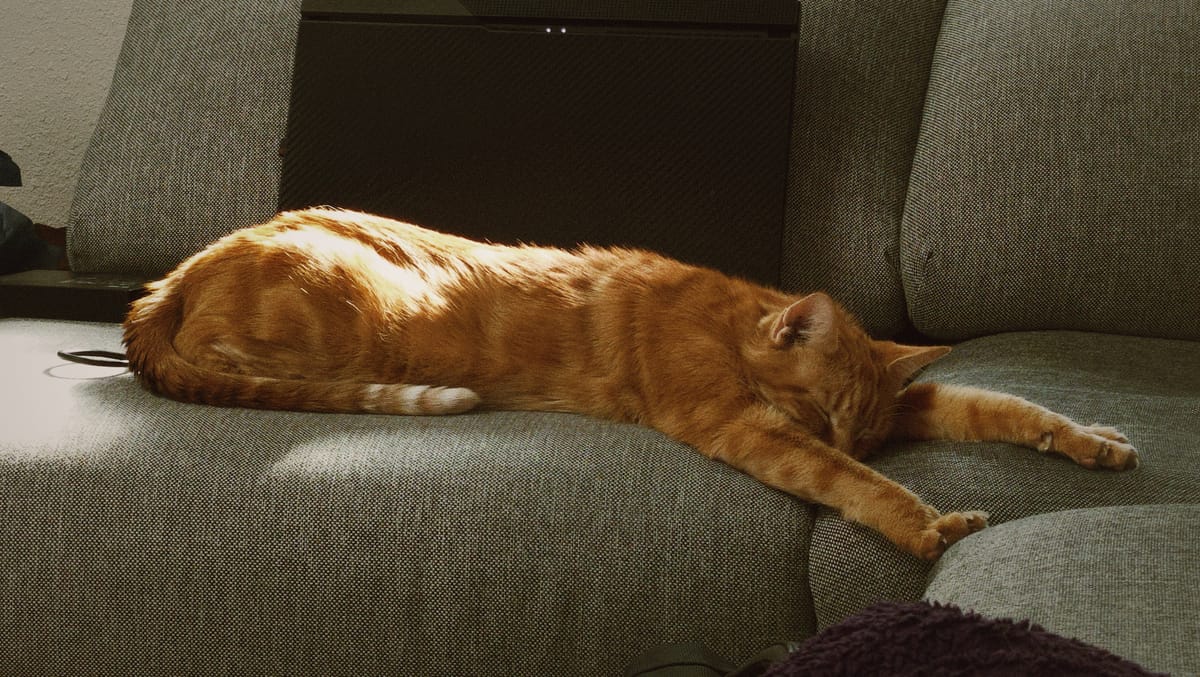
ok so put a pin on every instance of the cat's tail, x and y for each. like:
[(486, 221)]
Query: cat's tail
[(149, 332)]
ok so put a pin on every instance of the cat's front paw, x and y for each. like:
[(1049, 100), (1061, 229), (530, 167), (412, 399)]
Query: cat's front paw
[(1091, 446), (947, 530)]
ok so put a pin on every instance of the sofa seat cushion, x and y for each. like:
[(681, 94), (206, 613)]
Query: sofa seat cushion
[(1123, 578), (1054, 184), (145, 535), (1147, 388)]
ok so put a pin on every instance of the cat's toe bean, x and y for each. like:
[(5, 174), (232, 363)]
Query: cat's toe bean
[(1093, 447), (976, 519), (1133, 461), (930, 544), (1117, 453), (1116, 456), (948, 530), (1107, 432), (1114, 452), (1128, 461)]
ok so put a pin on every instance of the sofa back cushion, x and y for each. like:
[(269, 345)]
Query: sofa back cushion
[(1055, 180), (862, 69), (187, 146)]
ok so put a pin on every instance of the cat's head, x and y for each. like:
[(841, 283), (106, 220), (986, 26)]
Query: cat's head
[(813, 361)]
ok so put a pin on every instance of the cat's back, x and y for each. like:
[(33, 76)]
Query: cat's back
[(337, 296), (355, 251), (396, 242)]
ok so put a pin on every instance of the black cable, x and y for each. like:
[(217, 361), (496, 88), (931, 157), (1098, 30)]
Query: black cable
[(95, 358)]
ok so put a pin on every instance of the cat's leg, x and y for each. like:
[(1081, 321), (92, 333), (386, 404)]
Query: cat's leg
[(765, 445), (933, 411)]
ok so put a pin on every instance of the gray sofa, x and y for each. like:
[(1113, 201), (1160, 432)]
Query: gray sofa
[(1016, 177)]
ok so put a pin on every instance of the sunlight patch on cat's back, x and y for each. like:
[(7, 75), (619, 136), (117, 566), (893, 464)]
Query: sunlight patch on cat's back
[(332, 260)]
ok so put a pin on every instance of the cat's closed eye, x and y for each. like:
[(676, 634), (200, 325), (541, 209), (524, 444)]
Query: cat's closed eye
[(826, 427)]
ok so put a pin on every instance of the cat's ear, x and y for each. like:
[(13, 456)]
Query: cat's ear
[(903, 361), (810, 318)]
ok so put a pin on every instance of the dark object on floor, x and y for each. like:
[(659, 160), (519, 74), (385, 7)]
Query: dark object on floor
[(918, 638), (20, 246), (57, 239), (10, 173)]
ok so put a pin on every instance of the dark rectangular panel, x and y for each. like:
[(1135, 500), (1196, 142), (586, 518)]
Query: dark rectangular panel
[(674, 142), (779, 13), (64, 295)]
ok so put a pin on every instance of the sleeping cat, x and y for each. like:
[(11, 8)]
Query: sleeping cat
[(330, 310)]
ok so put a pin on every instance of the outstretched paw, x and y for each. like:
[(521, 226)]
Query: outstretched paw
[(1106, 431), (1092, 446), (948, 530)]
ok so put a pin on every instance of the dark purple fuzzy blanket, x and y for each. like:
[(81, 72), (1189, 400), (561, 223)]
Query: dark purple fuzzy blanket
[(917, 638)]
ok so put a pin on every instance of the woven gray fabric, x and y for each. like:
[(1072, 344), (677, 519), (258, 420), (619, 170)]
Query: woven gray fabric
[(1123, 578), (144, 536), (1148, 388), (187, 146), (1057, 161), (862, 69)]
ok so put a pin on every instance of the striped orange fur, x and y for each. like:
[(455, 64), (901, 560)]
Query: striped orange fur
[(331, 310)]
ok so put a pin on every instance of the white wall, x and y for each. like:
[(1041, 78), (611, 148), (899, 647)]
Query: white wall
[(56, 63)]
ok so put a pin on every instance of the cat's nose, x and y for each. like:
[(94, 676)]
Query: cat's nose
[(865, 446), (843, 440)]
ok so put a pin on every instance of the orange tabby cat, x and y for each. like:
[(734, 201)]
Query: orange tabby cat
[(328, 310)]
